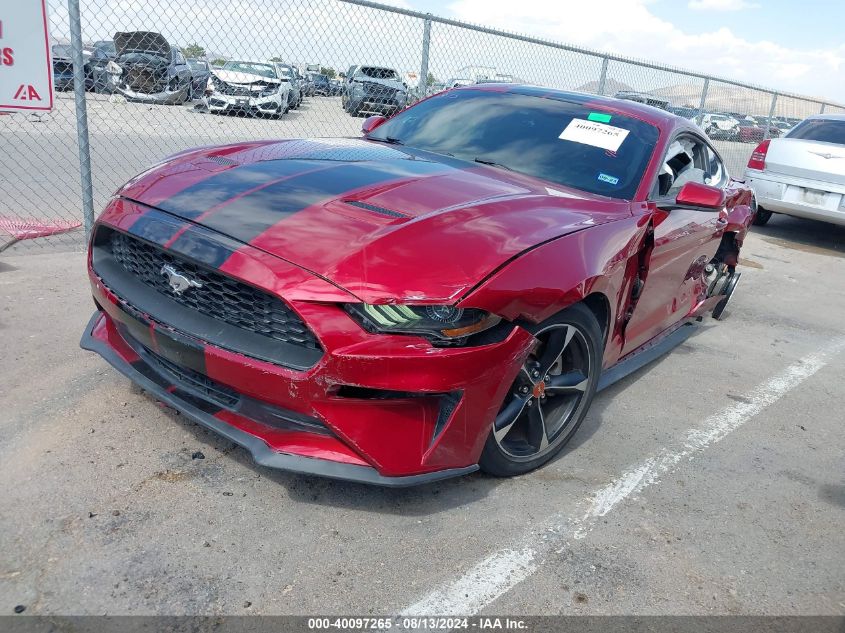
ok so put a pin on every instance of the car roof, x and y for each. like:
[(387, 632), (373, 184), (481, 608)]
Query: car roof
[(827, 117), (660, 118)]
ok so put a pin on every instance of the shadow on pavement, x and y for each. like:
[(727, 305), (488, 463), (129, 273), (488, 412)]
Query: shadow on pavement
[(808, 236)]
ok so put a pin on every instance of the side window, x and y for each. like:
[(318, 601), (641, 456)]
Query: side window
[(178, 57), (686, 161)]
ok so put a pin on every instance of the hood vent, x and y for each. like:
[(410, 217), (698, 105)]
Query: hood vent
[(222, 160), (375, 209)]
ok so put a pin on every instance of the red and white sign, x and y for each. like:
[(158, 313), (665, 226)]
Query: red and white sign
[(26, 72)]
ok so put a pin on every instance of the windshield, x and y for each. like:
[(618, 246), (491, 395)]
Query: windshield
[(196, 64), (824, 130), (252, 68), (563, 142), (377, 73)]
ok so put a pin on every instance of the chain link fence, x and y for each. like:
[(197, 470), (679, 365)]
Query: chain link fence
[(146, 67)]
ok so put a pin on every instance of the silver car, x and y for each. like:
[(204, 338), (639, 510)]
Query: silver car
[(803, 173), (288, 74)]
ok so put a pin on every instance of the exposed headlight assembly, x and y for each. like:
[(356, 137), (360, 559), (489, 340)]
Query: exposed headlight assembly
[(446, 324)]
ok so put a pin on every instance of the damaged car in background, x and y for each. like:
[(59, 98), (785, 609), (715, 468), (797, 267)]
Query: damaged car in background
[(257, 88), (147, 68)]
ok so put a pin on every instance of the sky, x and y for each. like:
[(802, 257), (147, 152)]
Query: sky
[(795, 46), (787, 45)]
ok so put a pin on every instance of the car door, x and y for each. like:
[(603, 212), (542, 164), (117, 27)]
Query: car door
[(685, 240)]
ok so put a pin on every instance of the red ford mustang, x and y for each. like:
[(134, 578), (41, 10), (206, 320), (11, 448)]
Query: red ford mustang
[(447, 293)]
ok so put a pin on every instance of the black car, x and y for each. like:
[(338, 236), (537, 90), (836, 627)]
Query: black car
[(321, 84), (102, 52), (373, 90), (147, 68), (200, 72), (62, 67)]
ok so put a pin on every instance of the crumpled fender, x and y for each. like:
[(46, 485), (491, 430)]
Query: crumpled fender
[(739, 220)]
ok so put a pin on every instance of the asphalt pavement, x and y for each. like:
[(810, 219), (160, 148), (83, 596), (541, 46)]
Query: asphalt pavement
[(710, 482)]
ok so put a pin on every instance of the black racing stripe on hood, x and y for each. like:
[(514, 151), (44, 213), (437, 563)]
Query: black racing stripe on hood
[(193, 241), (156, 227), (251, 215), (204, 247), (192, 202)]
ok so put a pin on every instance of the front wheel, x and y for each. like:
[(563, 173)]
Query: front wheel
[(549, 398)]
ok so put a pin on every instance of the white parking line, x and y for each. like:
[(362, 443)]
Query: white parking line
[(503, 570)]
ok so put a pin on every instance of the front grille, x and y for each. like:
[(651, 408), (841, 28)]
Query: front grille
[(219, 297), (191, 380), (232, 90), (379, 90)]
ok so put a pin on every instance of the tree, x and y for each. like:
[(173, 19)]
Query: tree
[(329, 72), (430, 80), (275, 59), (193, 50), (218, 62)]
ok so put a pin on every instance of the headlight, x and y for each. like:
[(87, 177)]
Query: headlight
[(441, 323)]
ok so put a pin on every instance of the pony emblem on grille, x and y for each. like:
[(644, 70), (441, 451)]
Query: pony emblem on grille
[(179, 283)]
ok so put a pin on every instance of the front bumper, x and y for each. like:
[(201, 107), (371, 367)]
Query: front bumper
[(798, 197), (166, 97), (97, 338), (374, 104), (390, 409), (274, 103)]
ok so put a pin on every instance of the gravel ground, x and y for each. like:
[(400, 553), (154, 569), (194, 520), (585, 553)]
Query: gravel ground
[(109, 508)]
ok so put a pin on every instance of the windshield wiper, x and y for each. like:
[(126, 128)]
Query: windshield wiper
[(492, 163), (386, 139)]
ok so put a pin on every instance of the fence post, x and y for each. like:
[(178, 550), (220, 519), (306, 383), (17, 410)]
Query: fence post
[(426, 45), (704, 89), (822, 110), (603, 76), (771, 114), (81, 117)]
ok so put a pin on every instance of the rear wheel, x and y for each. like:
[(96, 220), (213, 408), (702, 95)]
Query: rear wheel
[(762, 217), (549, 398)]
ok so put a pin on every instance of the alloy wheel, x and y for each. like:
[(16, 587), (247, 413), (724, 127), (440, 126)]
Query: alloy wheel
[(547, 395)]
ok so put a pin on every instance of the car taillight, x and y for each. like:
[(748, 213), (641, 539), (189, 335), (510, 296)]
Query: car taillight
[(758, 156)]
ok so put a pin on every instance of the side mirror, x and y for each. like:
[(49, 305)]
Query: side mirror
[(695, 194), (371, 123)]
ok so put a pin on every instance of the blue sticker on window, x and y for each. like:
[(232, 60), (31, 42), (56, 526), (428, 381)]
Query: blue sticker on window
[(611, 180)]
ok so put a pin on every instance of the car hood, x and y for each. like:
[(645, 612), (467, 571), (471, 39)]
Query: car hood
[(235, 77), (141, 41), (390, 83), (382, 222)]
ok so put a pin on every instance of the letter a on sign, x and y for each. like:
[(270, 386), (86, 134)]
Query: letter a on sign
[(26, 70)]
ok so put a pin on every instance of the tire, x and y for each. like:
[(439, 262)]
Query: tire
[(762, 217), (728, 290), (538, 417)]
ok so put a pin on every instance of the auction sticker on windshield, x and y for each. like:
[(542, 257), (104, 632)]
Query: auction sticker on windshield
[(594, 133), (26, 77)]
